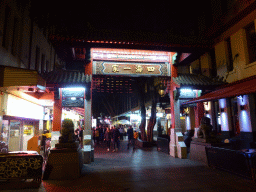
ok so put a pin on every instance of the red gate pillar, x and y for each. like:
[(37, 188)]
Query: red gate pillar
[(174, 73), (57, 111), (199, 113)]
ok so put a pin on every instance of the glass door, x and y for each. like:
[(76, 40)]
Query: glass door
[(15, 135)]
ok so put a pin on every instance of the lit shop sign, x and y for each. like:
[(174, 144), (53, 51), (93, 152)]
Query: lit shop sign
[(137, 57), (73, 97), (125, 68), (186, 93), (21, 108)]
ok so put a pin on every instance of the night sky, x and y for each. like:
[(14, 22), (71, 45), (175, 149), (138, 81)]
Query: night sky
[(74, 17)]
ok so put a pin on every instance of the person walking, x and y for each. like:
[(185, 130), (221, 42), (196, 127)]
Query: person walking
[(115, 138), (81, 135), (121, 130), (130, 137), (101, 134), (107, 138), (97, 135)]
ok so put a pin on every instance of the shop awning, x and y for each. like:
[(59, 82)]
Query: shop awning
[(196, 81), (12, 76), (66, 77), (241, 87)]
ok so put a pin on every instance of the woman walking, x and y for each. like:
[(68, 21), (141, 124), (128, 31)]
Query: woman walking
[(107, 138)]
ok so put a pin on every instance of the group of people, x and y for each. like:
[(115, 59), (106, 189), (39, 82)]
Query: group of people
[(113, 135)]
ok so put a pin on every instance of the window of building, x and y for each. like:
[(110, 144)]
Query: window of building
[(216, 117), (230, 65), (15, 34), (43, 63), (5, 29), (47, 66), (251, 41), (37, 58), (213, 61)]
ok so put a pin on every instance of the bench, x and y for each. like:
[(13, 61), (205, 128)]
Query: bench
[(239, 162), (163, 144), (21, 166)]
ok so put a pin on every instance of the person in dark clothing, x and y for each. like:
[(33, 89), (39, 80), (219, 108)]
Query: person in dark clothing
[(77, 134), (101, 134), (115, 138), (81, 136), (188, 138), (107, 138), (130, 137)]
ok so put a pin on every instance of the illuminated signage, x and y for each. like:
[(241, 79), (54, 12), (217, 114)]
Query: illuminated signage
[(124, 55), (21, 108), (73, 97), (125, 68)]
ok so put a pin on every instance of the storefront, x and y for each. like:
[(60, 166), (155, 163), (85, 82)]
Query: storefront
[(22, 121), (233, 110)]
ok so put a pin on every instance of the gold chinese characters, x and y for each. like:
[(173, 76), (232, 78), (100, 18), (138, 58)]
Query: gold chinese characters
[(139, 69), (151, 69), (115, 68)]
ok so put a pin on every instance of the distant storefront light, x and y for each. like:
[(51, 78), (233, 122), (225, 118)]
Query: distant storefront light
[(207, 106), (135, 117), (159, 114)]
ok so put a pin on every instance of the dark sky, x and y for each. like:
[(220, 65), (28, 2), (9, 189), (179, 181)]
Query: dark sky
[(72, 17)]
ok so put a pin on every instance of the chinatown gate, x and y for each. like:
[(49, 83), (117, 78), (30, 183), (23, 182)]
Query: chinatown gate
[(117, 63)]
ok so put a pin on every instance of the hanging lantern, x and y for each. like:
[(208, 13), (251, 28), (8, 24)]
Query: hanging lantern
[(161, 90)]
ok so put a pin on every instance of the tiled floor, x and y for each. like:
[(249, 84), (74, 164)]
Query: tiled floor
[(147, 170)]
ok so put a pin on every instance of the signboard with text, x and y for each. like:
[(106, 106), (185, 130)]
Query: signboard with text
[(135, 69), (72, 98)]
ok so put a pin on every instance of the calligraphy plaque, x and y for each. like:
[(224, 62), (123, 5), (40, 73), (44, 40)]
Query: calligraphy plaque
[(136, 69), (72, 98)]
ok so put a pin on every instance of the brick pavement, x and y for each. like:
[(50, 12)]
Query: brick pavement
[(147, 170)]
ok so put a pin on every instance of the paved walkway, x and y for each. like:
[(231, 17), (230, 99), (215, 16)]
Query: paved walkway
[(147, 170)]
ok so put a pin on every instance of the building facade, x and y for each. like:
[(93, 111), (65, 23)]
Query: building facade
[(231, 108), (25, 53)]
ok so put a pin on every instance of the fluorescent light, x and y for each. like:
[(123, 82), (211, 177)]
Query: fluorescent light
[(74, 88)]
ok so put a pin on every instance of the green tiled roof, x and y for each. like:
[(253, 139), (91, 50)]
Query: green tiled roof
[(197, 81), (66, 77)]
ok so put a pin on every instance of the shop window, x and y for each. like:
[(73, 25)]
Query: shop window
[(251, 41), (217, 123), (4, 135), (234, 117)]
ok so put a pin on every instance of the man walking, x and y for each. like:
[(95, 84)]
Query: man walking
[(130, 137), (115, 137)]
